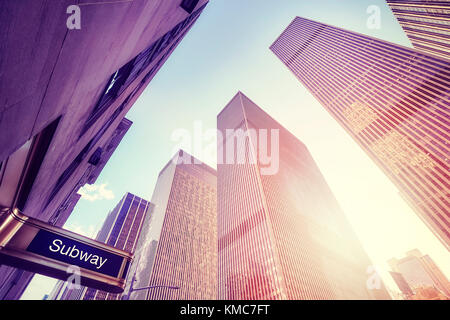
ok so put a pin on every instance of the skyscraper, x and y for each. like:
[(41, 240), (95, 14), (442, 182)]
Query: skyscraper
[(426, 23), (64, 94), (57, 290), (402, 284), (178, 246), (121, 230), (420, 271), (394, 101), (281, 232)]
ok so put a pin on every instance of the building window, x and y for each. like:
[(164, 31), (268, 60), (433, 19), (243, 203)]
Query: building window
[(122, 78), (189, 5), (113, 89), (96, 157), (69, 171), (82, 155), (20, 170)]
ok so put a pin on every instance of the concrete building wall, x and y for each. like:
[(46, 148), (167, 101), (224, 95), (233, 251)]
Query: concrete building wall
[(50, 74), (15, 281)]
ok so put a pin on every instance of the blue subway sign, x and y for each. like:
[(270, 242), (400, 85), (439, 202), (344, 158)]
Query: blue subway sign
[(32, 245), (74, 252)]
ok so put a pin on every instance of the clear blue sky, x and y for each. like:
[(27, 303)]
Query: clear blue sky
[(226, 51)]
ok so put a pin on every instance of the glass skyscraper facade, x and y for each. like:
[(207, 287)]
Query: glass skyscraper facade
[(426, 23), (281, 233), (178, 246), (121, 230), (394, 102)]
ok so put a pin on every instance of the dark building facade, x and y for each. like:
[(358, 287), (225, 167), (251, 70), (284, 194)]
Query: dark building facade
[(178, 246), (64, 94), (426, 23), (281, 233), (392, 100), (15, 280), (121, 230)]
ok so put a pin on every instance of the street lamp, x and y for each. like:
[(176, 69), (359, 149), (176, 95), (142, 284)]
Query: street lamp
[(127, 296)]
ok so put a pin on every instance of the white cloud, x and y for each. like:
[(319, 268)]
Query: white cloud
[(92, 192)]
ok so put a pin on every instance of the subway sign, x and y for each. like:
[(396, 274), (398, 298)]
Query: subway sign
[(32, 245)]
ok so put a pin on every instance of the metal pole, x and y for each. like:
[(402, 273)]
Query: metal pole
[(127, 296)]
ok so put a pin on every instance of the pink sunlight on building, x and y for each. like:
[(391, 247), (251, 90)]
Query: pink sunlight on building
[(282, 234), (394, 101)]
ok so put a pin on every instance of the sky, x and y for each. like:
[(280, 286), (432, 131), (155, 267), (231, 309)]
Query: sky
[(227, 50)]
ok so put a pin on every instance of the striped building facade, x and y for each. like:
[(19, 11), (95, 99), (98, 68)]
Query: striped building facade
[(281, 234), (394, 101), (121, 230), (179, 243), (426, 23)]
